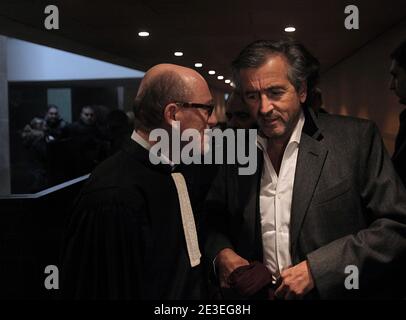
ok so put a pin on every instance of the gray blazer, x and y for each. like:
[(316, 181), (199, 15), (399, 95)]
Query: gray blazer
[(348, 208)]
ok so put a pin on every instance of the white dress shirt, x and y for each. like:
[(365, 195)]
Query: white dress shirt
[(275, 202)]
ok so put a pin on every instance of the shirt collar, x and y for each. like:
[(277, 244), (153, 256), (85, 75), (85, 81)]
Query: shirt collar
[(146, 145), (262, 142), (140, 140)]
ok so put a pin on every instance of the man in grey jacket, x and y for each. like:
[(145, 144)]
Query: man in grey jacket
[(325, 212)]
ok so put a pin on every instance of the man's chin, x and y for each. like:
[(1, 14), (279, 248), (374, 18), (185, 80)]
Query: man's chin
[(272, 133)]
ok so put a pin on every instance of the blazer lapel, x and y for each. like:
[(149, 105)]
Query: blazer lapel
[(311, 157)]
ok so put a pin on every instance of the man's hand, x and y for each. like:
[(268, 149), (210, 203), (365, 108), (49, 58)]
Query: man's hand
[(227, 261), (296, 282)]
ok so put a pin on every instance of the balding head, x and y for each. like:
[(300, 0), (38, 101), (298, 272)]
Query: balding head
[(161, 85), (184, 74)]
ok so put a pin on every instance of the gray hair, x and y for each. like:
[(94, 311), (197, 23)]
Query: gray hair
[(303, 66)]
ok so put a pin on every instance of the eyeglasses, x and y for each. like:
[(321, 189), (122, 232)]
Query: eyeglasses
[(208, 107)]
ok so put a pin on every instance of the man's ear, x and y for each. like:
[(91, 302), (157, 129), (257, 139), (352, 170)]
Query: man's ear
[(169, 113), (303, 92)]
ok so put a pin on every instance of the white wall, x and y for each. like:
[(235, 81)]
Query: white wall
[(27, 61), (359, 85)]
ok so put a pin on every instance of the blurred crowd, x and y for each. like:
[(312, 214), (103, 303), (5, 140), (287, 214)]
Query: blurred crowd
[(60, 151)]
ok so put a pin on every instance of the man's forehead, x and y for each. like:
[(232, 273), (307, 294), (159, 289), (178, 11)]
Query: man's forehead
[(201, 92), (274, 68)]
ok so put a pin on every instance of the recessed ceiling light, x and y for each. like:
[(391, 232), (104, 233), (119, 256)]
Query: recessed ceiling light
[(143, 34), (227, 81), (198, 65), (212, 72), (220, 77), (178, 53), (232, 84), (290, 29)]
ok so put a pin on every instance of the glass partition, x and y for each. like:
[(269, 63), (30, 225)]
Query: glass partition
[(65, 114)]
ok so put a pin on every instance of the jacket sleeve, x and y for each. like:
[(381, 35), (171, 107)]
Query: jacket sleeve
[(380, 249)]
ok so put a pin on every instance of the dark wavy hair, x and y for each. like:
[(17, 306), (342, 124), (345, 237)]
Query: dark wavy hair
[(303, 66)]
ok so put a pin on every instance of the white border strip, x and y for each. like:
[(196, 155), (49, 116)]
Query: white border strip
[(46, 191)]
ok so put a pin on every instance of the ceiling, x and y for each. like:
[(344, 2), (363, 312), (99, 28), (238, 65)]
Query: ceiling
[(210, 32)]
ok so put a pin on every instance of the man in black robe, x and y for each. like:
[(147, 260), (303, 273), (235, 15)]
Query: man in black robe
[(126, 238)]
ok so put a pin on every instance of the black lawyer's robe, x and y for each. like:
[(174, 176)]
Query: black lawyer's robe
[(125, 238)]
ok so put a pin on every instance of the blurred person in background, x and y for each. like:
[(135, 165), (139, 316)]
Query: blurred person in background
[(398, 85)]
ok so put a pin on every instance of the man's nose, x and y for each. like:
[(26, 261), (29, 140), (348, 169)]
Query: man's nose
[(212, 121), (265, 104)]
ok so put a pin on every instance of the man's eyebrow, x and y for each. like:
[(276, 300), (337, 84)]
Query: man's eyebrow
[(278, 87)]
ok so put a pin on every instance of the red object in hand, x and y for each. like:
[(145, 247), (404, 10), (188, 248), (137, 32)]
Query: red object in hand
[(248, 280)]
